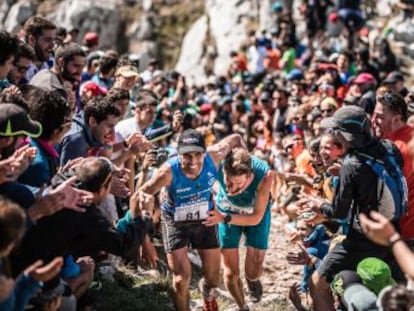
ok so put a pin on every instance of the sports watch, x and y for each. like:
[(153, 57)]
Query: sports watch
[(227, 218)]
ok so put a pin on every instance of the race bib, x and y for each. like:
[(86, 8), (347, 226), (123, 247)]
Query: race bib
[(193, 212)]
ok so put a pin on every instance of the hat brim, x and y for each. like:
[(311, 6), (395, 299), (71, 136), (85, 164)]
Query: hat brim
[(190, 148), (31, 129), (129, 74), (331, 123), (328, 123), (389, 81)]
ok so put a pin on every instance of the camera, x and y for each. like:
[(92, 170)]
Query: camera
[(161, 155)]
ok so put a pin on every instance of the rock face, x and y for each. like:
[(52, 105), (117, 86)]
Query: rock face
[(102, 17), (14, 13), (192, 60)]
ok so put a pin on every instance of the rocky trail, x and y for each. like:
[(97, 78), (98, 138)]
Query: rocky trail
[(277, 277)]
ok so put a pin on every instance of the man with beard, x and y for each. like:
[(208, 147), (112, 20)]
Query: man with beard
[(65, 74), (91, 132), (189, 180), (40, 34)]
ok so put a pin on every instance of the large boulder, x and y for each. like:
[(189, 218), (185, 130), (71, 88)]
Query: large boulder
[(192, 57), (102, 17), (16, 14), (229, 20)]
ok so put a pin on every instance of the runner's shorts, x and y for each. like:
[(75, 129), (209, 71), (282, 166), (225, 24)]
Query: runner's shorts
[(256, 236), (177, 235)]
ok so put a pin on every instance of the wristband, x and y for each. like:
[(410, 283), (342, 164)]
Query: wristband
[(394, 239), (125, 144)]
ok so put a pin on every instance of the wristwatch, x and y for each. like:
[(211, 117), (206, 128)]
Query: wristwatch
[(227, 218)]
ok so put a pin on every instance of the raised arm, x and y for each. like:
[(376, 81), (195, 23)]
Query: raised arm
[(162, 178), (220, 150)]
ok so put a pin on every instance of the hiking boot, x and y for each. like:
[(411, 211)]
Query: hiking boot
[(210, 304), (255, 290)]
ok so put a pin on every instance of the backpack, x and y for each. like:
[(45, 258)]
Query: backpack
[(392, 186)]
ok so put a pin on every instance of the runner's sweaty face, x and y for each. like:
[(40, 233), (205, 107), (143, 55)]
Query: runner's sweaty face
[(192, 162), (236, 184)]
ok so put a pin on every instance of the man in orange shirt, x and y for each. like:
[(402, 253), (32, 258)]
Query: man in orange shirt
[(390, 121)]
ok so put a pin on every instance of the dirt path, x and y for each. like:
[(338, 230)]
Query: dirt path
[(278, 275)]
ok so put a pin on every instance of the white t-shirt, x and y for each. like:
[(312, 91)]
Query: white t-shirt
[(123, 130)]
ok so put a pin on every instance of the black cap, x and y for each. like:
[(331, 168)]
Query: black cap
[(393, 77), (351, 121), (191, 141), (343, 280), (14, 120)]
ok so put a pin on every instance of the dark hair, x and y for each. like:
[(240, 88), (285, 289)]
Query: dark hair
[(69, 51), (52, 110), (107, 63), (395, 102), (35, 25), (238, 162), (18, 100), (146, 97), (61, 31), (12, 223), (314, 144), (94, 173), (24, 51), (397, 298), (99, 108), (116, 94), (9, 45)]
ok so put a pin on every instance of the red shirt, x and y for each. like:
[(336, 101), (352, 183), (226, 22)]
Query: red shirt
[(401, 138)]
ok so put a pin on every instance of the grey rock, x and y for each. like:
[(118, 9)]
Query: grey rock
[(17, 13), (192, 56), (102, 17)]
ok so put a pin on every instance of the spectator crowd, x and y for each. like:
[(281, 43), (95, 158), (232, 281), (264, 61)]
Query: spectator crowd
[(99, 160)]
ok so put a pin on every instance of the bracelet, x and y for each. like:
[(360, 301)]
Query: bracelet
[(125, 144), (394, 239)]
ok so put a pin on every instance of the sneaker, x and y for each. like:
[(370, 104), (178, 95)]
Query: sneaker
[(255, 290), (210, 304)]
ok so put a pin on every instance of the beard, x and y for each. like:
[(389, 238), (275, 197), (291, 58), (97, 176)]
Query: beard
[(67, 76), (40, 54)]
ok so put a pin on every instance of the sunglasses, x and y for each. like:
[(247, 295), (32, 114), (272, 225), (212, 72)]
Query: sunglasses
[(330, 110)]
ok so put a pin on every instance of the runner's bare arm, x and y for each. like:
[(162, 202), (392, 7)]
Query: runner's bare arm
[(162, 178), (262, 199), (256, 217), (220, 150)]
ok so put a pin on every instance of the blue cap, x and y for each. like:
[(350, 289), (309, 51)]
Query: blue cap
[(294, 74), (277, 7)]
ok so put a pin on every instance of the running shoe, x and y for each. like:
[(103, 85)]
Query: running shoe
[(255, 290)]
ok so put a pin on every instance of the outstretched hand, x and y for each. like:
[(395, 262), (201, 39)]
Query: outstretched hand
[(214, 218), (44, 273)]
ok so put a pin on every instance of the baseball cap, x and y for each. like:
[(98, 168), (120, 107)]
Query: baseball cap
[(364, 77), (14, 120), (91, 38), (393, 77), (375, 274), (191, 141), (127, 71), (94, 88), (343, 280), (350, 121), (294, 74)]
